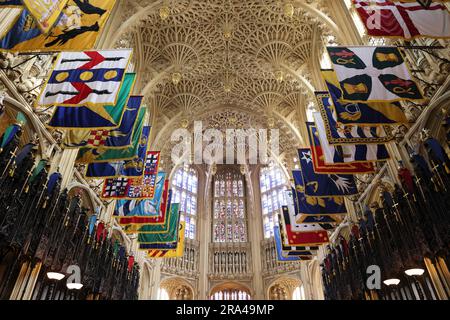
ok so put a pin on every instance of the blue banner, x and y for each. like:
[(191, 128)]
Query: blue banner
[(124, 168), (325, 185)]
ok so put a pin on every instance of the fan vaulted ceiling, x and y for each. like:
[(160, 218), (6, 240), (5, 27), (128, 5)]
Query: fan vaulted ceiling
[(216, 60)]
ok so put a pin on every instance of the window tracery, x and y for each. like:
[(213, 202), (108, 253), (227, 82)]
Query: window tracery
[(273, 196), (229, 216), (185, 188), (230, 294)]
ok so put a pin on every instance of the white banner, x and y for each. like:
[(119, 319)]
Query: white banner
[(86, 78)]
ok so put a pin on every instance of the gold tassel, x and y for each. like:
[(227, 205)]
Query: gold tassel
[(45, 203), (12, 170)]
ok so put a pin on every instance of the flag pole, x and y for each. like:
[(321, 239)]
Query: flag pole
[(410, 47), (37, 53)]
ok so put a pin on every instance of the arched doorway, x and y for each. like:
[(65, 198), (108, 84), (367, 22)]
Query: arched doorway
[(230, 291), (286, 288), (175, 289)]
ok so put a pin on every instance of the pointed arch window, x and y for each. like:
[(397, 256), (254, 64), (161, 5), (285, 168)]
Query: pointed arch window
[(299, 293), (273, 196), (229, 216), (185, 187), (162, 294)]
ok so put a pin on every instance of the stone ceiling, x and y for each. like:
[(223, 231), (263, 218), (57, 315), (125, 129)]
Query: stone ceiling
[(196, 58)]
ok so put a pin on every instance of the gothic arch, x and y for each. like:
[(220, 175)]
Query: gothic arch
[(316, 285), (145, 282), (440, 100), (284, 285), (321, 16), (132, 21), (141, 14), (122, 237), (163, 136), (33, 123), (231, 285), (178, 288), (155, 80), (178, 166), (164, 131), (89, 195)]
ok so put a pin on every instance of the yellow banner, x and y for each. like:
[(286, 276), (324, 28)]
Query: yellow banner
[(78, 28), (172, 253), (45, 12)]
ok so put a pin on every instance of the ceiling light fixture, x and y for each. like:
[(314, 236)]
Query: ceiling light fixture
[(74, 286), (414, 272), (391, 282), (55, 276)]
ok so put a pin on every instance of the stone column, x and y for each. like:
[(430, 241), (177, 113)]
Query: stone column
[(66, 166), (305, 276), (255, 234), (312, 280), (111, 26), (155, 279), (107, 214), (204, 231), (315, 60), (343, 18)]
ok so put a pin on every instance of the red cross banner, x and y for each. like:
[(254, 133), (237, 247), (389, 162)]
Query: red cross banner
[(409, 20)]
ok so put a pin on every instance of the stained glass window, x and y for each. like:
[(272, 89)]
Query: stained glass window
[(230, 224), (273, 186), (184, 186)]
